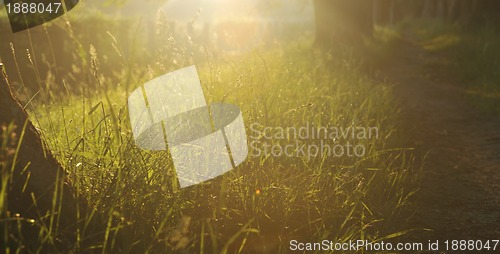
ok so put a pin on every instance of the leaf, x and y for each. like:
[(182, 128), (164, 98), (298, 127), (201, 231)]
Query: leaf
[(94, 108)]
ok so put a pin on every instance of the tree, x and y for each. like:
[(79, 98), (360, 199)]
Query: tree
[(342, 21), (384, 11)]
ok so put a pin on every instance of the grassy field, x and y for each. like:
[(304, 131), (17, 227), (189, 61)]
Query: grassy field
[(466, 58), (261, 205)]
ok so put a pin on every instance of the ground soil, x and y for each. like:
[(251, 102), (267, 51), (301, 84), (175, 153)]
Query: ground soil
[(459, 197)]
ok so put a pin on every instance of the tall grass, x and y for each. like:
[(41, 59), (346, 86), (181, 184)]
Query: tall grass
[(262, 204)]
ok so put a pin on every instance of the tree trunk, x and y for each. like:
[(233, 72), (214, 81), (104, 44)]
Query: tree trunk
[(452, 10), (340, 21), (428, 9), (392, 14), (378, 12), (440, 9), (36, 183)]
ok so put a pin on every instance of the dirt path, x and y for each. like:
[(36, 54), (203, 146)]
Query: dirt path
[(460, 191)]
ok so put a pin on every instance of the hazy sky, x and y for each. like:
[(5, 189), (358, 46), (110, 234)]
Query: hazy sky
[(210, 10), (183, 10)]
